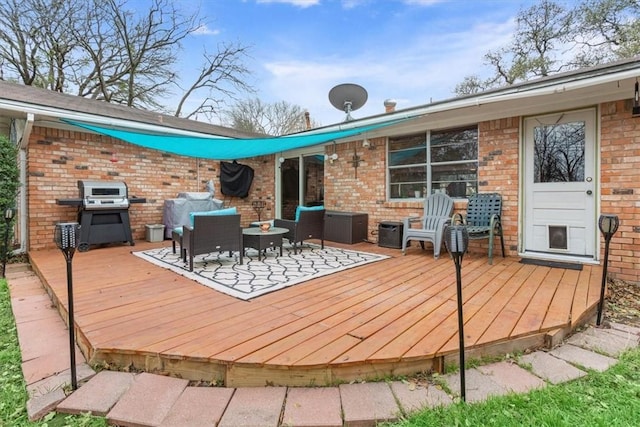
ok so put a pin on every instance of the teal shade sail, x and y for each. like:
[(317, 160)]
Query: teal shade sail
[(223, 148)]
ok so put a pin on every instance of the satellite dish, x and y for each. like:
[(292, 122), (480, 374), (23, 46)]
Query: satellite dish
[(348, 97)]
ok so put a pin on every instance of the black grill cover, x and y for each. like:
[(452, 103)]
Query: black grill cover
[(235, 179)]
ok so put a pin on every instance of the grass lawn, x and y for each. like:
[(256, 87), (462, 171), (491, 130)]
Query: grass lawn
[(13, 392), (610, 399)]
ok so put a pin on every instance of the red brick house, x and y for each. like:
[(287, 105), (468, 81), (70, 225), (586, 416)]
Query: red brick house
[(560, 150)]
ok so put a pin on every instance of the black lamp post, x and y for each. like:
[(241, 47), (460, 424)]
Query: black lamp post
[(456, 240), (9, 213), (67, 237), (608, 225)]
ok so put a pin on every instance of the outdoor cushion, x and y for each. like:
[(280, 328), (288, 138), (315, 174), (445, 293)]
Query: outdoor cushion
[(227, 211), (178, 230), (307, 208)]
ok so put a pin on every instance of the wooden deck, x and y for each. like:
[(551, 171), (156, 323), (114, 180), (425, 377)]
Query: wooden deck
[(392, 317)]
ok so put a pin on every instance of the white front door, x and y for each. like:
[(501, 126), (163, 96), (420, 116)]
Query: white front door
[(560, 184)]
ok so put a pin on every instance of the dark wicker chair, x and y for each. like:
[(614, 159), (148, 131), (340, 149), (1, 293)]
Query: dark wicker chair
[(483, 219), (310, 225), (212, 234), (437, 214)]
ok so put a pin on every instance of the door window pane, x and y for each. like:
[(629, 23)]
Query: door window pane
[(559, 152)]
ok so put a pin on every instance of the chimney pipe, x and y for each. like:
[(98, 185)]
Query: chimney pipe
[(307, 119), (389, 105)]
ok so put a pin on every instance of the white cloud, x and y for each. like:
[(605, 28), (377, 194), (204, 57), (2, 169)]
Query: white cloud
[(425, 69), (298, 3), (204, 30)]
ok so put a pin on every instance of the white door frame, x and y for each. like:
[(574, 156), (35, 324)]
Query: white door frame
[(299, 154), (591, 116)]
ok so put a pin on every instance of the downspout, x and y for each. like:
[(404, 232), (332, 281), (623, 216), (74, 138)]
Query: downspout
[(23, 143)]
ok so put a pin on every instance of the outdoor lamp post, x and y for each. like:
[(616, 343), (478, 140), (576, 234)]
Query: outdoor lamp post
[(9, 213), (456, 240), (608, 225), (67, 237)]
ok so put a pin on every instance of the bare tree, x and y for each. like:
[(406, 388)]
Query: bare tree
[(223, 73), (550, 38), (104, 50), (279, 118)]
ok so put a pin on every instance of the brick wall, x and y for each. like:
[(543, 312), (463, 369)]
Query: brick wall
[(498, 172), (620, 186), (58, 159)]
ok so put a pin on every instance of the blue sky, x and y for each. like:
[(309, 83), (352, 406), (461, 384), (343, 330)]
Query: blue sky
[(413, 51)]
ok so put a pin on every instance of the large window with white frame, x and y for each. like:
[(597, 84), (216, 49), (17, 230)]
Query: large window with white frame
[(435, 161)]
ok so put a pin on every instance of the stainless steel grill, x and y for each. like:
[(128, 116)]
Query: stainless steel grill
[(103, 194)]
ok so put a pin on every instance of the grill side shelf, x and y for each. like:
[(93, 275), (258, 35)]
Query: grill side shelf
[(69, 202)]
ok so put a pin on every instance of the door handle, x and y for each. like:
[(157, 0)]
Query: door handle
[(589, 192)]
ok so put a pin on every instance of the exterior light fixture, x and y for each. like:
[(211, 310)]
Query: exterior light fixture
[(67, 238), (456, 240), (331, 157), (608, 225), (9, 213), (366, 143), (635, 110)]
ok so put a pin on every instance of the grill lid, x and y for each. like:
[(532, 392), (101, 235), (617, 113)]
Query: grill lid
[(103, 194)]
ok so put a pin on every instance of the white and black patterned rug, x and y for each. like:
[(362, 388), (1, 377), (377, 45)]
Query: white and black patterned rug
[(221, 272)]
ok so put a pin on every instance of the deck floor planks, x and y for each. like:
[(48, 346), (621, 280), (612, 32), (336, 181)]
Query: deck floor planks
[(237, 352), (595, 281), (474, 293), (309, 314), (559, 311), (336, 325), (415, 297), (101, 317), (504, 323), (533, 316), (480, 309), (146, 313), (438, 294), (478, 325), (155, 326), (330, 344), (285, 328), (222, 334)]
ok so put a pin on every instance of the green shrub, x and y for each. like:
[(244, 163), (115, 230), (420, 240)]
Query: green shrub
[(9, 183)]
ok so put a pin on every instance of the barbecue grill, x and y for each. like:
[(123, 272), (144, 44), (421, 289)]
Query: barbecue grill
[(103, 195), (103, 212)]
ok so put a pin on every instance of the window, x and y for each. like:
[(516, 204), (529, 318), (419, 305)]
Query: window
[(441, 161)]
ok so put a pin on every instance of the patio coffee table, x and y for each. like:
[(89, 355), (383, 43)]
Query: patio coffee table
[(255, 238)]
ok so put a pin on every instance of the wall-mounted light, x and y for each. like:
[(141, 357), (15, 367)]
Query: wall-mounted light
[(331, 157), (281, 160), (368, 144), (635, 110)]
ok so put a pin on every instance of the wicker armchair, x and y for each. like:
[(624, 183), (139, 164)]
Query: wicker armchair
[(212, 234), (310, 225), (437, 213), (483, 219)]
